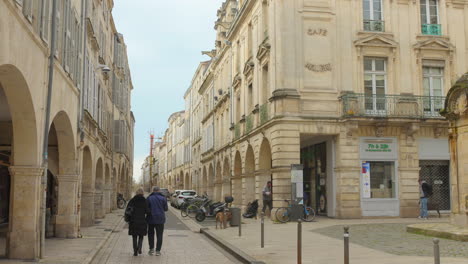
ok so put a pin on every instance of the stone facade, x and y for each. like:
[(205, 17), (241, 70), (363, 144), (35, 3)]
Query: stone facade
[(90, 150), (456, 111), (354, 96)]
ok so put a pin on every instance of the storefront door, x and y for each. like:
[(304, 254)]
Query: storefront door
[(436, 173), (314, 159)]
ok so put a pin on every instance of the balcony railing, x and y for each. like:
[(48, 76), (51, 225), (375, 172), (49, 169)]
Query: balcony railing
[(431, 29), (264, 116), (237, 131), (392, 106), (249, 123), (374, 25)]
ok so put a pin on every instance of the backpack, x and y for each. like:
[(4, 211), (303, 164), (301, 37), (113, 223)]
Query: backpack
[(429, 190), (128, 213)]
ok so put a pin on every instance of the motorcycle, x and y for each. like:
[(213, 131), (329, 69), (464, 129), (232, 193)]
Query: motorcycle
[(211, 209), (121, 201)]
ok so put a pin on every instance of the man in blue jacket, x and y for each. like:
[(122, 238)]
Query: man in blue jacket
[(156, 220)]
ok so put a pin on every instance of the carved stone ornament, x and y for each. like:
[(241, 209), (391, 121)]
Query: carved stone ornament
[(380, 130), (456, 103), (351, 128), (411, 129), (437, 132), (376, 41)]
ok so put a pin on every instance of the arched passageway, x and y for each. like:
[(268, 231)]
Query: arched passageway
[(218, 183), (226, 179), (263, 175), (107, 189), (236, 180), (211, 178), (204, 184), (248, 181), (87, 189), (20, 167)]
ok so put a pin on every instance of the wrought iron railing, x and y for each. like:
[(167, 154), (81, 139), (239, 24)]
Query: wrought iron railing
[(374, 25), (431, 29), (392, 106), (249, 123), (237, 131), (264, 115)]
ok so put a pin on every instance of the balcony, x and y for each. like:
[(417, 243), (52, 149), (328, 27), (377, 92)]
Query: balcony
[(374, 25), (431, 29), (264, 115), (392, 106), (249, 123)]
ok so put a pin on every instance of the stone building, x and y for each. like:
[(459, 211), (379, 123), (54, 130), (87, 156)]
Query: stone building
[(90, 140), (349, 89)]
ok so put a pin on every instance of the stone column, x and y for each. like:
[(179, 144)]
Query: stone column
[(236, 185), (107, 199), (225, 188), (87, 208), (99, 204), (24, 233), (66, 225), (261, 178)]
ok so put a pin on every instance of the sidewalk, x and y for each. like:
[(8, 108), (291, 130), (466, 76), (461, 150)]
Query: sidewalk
[(79, 250), (281, 242)]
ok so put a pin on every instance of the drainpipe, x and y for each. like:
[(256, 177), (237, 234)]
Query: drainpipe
[(45, 145), (84, 14)]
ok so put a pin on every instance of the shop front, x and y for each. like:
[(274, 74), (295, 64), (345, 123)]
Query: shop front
[(379, 176)]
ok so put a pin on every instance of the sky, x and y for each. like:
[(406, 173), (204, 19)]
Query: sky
[(164, 42)]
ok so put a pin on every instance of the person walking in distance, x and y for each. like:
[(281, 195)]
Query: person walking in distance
[(136, 212), (267, 198), (156, 220), (425, 191)]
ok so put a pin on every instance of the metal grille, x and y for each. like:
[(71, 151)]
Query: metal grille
[(436, 173)]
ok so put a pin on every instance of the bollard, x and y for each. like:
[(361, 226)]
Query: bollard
[(240, 227), (263, 230), (346, 245), (436, 251), (299, 241)]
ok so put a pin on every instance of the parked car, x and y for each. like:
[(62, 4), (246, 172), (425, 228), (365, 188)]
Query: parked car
[(173, 198), (165, 192), (184, 194)]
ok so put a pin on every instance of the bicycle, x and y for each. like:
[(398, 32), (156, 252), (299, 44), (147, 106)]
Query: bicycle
[(283, 213), (190, 206)]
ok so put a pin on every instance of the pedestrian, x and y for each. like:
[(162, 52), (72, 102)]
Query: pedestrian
[(137, 211), (267, 198), (156, 220), (425, 191)]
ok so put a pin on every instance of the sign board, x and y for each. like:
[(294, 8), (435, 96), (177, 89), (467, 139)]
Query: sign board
[(378, 148), (366, 188), (297, 173)]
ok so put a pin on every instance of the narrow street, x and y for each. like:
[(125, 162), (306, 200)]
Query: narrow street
[(180, 245)]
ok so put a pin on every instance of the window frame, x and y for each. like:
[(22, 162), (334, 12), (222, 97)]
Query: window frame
[(373, 74), (428, 12), (433, 98)]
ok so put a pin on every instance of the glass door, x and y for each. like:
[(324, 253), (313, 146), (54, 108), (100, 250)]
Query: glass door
[(375, 75)]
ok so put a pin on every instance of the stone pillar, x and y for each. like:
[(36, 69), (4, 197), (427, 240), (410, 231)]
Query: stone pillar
[(218, 191), (261, 179), (348, 173), (24, 233), (248, 189), (107, 199), (99, 204), (236, 186), (66, 224), (225, 188), (87, 208)]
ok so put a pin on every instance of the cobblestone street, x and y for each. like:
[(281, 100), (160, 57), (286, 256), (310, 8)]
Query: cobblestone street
[(180, 246)]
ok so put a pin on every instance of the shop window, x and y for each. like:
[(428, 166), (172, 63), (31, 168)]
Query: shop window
[(379, 179)]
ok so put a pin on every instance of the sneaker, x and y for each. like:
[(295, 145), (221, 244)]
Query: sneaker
[(158, 253), (420, 217), (151, 252)]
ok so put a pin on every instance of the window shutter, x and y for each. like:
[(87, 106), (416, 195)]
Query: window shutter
[(116, 135), (85, 86), (45, 17), (58, 29), (28, 9)]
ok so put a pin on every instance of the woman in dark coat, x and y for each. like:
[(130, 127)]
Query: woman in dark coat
[(138, 227)]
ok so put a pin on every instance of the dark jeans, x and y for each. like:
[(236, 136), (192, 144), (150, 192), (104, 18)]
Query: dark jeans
[(267, 203), (137, 244), (159, 236)]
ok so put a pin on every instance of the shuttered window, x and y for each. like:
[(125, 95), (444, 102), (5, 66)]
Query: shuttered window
[(28, 10), (45, 18)]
